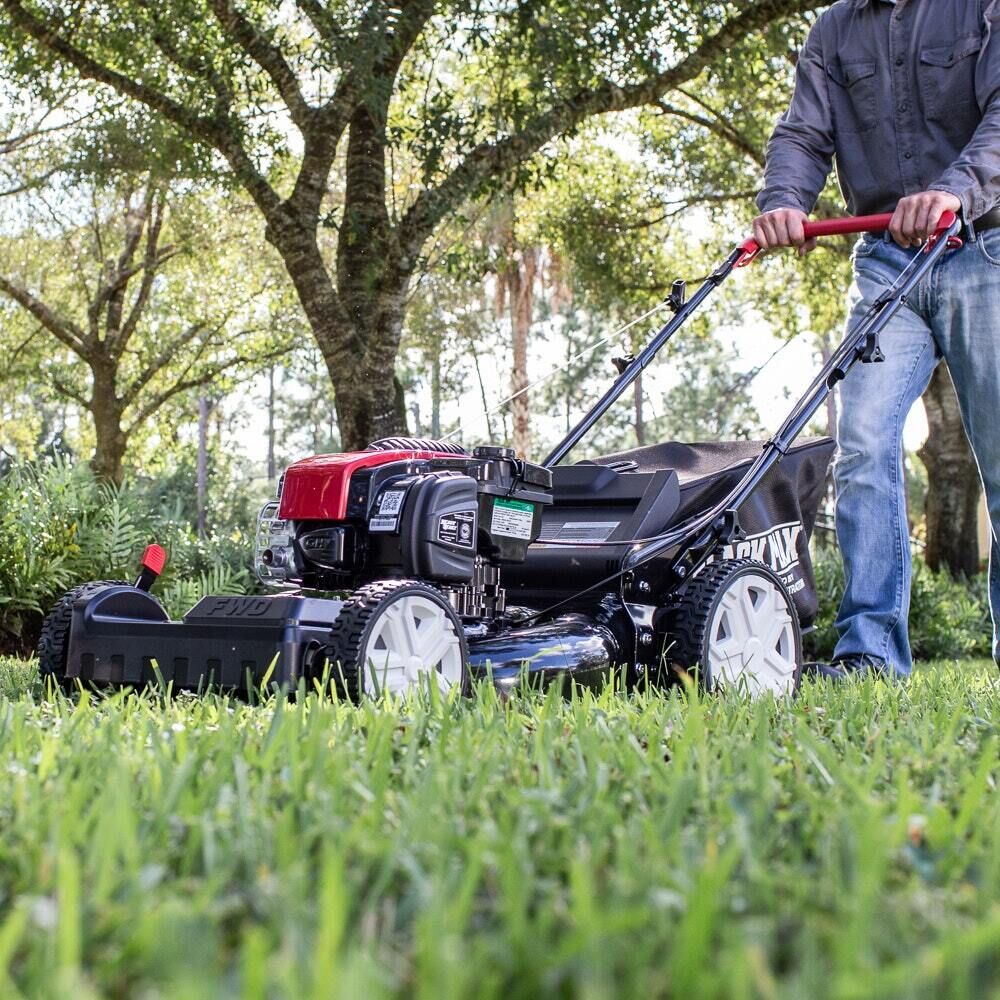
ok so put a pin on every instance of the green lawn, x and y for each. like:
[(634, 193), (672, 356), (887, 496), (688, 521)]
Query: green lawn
[(846, 845)]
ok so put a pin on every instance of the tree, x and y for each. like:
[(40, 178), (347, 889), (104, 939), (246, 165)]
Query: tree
[(130, 311), (951, 506), (433, 104)]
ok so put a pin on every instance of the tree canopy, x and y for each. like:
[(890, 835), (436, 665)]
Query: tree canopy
[(378, 120)]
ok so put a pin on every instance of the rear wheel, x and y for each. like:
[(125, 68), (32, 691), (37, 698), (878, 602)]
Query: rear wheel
[(396, 635), (53, 644), (737, 626)]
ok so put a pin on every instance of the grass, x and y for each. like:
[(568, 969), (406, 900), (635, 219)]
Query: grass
[(846, 845)]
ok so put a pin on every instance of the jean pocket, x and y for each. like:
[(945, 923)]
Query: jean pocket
[(866, 246), (989, 246), (853, 95)]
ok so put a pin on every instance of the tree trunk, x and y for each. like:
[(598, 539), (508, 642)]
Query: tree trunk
[(436, 392), (201, 487), (521, 284), (953, 485), (360, 359), (110, 439), (272, 465)]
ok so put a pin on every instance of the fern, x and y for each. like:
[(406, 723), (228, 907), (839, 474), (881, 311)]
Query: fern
[(181, 595), (61, 528)]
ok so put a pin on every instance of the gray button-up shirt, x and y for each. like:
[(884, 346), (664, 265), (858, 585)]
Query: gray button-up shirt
[(905, 97)]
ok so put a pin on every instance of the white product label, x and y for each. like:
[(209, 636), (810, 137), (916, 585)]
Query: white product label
[(382, 524), (512, 518)]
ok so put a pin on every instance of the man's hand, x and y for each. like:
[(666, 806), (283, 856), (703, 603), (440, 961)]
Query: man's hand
[(782, 228), (917, 216)]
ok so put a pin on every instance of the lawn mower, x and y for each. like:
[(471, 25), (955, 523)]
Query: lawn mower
[(417, 562)]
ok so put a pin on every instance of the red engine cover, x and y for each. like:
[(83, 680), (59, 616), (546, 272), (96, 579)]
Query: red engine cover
[(315, 489)]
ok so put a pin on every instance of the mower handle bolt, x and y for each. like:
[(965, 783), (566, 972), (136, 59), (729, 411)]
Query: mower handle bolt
[(646, 639), (644, 587)]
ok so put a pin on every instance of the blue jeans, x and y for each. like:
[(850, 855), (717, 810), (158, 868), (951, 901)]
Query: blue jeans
[(955, 314)]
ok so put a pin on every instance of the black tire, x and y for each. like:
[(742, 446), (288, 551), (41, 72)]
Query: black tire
[(416, 444), (689, 625), (357, 620), (53, 643)]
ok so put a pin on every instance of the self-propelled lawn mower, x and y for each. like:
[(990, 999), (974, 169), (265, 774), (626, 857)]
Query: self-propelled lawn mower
[(462, 564)]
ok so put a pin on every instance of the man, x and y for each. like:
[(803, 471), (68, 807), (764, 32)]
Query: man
[(905, 98)]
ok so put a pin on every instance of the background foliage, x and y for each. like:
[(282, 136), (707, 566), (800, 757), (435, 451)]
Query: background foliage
[(61, 527)]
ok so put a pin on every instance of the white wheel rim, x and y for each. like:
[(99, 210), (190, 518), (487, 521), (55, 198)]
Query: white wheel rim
[(752, 638), (412, 638)]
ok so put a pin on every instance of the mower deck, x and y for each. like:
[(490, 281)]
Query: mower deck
[(123, 636)]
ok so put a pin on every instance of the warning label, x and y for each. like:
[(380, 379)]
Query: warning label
[(512, 518)]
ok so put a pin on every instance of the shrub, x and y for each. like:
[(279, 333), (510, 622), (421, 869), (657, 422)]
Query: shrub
[(948, 618), (60, 527)]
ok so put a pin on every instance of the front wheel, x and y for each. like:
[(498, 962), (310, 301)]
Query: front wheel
[(396, 635), (736, 625), (53, 643)]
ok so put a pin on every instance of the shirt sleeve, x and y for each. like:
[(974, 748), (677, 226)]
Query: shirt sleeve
[(800, 151), (974, 178)]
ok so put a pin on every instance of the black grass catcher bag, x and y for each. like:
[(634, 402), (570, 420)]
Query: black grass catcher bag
[(779, 518)]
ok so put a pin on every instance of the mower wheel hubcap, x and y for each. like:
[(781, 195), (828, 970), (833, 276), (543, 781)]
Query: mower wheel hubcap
[(751, 638), (411, 638)]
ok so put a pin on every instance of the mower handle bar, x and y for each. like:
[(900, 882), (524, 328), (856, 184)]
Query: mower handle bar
[(683, 308), (852, 225)]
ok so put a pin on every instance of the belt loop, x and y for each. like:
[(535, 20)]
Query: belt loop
[(970, 230)]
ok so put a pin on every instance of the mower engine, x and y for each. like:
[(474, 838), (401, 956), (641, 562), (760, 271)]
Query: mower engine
[(404, 509)]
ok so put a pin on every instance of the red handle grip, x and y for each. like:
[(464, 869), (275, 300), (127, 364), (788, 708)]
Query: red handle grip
[(849, 225)]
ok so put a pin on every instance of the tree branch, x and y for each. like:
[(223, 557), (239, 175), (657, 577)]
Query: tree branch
[(154, 259), (492, 158), (136, 221), (323, 22), (65, 331), (321, 141), (64, 390), (205, 376), (717, 127), (219, 133), (270, 59), (160, 362)]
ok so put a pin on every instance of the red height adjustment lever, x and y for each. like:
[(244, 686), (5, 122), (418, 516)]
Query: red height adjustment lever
[(851, 225), (153, 560)]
